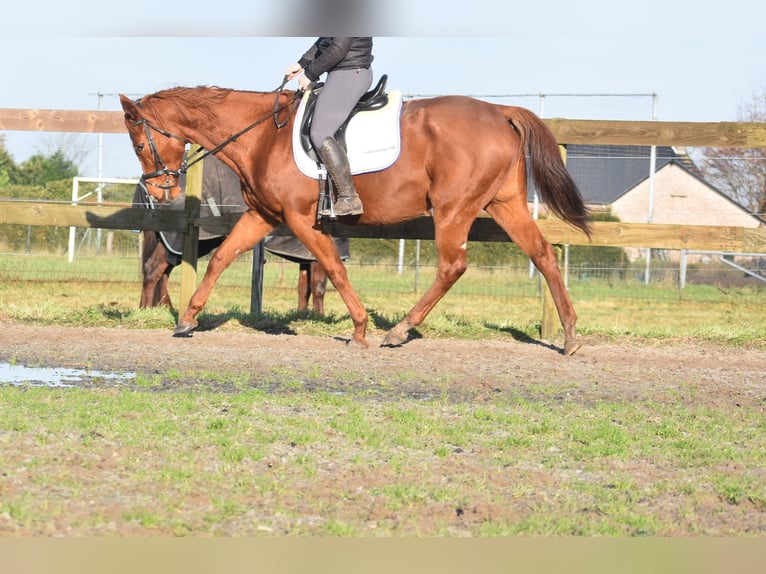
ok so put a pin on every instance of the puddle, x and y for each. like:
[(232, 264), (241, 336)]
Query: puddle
[(54, 376)]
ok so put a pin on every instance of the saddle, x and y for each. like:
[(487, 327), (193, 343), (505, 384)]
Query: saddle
[(371, 134), (375, 99)]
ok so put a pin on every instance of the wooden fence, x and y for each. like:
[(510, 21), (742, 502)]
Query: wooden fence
[(644, 133)]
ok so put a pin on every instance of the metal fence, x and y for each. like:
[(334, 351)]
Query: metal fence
[(714, 276)]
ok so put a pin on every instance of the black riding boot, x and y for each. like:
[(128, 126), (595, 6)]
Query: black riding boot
[(335, 160)]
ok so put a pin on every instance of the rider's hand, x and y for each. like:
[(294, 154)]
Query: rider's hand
[(293, 70), (304, 83)]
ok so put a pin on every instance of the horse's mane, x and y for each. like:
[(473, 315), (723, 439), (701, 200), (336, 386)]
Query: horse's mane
[(186, 102)]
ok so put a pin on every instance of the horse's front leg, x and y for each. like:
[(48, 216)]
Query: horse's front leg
[(326, 252), (318, 281), (161, 292), (153, 268), (304, 285), (248, 231)]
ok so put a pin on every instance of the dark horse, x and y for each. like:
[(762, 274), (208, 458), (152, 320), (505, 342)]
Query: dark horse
[(161, 252), (221, 194), (459, 156), (157, 263)]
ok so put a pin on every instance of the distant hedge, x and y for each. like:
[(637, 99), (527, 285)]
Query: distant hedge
[(486, 254)]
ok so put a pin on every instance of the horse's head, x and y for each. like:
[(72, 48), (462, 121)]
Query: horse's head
[(160, 152)]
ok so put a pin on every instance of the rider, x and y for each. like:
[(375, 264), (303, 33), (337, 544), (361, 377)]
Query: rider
[(347, 64)]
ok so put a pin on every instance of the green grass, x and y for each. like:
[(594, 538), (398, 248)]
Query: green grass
[(485, 303), (253, 457), (179, 463)]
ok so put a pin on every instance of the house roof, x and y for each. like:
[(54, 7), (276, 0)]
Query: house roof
[(605, 172)]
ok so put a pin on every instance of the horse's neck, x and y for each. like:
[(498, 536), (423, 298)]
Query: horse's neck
[(242, 117), (238, 125)]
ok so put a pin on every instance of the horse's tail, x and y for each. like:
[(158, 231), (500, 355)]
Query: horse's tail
[(556, 186)]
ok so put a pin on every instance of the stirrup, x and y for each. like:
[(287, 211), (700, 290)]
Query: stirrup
[(346, 205), (327, 206)]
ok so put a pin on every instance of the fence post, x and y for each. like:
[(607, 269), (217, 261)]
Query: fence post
[(256, 280), (191, 237)]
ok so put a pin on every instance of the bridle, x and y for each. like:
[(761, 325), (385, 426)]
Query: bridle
[(161, 169)]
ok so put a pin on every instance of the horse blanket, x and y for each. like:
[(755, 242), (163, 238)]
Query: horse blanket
[(222, 194)]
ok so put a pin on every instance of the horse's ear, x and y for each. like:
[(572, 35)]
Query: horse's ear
[(131, 110)]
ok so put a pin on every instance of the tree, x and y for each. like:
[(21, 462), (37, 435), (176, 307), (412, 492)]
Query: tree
[(41, 169), (7, 165), (740, 172), (76, 146)]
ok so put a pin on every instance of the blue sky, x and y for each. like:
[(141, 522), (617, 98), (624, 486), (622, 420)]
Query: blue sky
[(702, 62)]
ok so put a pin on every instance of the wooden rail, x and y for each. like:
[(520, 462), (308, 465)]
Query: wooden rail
[(648, 133), (16, 119), (660, 236), (606, 132)]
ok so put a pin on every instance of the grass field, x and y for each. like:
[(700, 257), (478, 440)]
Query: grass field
[(485, 302), (624, 442), (246, 462)]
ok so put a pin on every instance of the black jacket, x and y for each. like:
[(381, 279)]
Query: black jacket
[(327, 54)]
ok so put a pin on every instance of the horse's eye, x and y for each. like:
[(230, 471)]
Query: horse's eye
[(140, 148)]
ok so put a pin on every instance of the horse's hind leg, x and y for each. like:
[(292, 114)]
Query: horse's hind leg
[(451, 243), (248, 231), (518, 224)]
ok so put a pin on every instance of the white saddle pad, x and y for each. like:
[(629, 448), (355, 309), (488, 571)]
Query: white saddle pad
[(373, 139)]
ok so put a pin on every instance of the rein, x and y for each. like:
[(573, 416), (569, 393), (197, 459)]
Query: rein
[(281, 87), (162, 169), (232, 138)]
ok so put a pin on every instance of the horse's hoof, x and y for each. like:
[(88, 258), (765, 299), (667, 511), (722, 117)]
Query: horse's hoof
[(394, 339), (358, 343), (571, 348), (184, 329)]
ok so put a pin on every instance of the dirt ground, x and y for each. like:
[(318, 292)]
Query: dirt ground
[(602, 370), (599, 370)]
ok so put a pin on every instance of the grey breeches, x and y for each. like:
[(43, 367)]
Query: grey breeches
[(341, 92)]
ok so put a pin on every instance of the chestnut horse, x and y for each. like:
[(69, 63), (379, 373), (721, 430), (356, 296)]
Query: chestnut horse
[(459, 156)]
